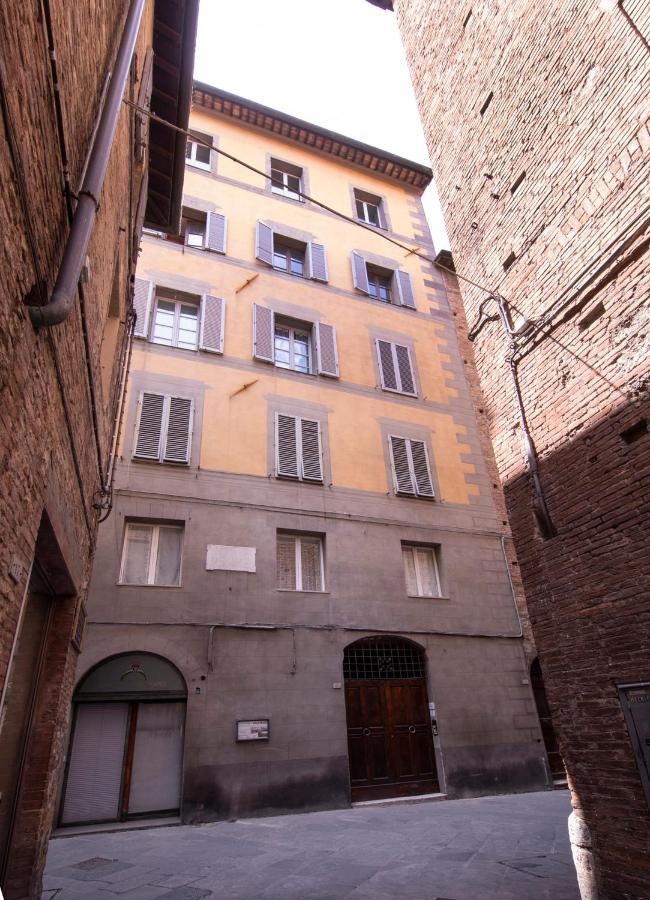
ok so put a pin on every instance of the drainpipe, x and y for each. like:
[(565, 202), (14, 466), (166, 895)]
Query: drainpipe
[(74, 255)]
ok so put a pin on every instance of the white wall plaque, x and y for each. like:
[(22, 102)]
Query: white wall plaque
[(230, 559), (253, 730)]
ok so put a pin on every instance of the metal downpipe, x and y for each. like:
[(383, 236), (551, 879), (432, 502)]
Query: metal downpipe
[(74, 255)]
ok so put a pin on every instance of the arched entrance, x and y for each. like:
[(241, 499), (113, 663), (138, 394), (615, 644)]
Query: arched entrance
[(390, 744), (126, 746), (545, 720)]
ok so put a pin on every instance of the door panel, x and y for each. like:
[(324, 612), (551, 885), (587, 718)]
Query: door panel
[(389, 738), (157, 757), (96, 761)]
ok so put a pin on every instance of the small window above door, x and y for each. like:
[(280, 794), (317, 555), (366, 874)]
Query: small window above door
[(286, 179)]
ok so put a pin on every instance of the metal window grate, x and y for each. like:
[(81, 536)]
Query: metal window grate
[(379, 657)]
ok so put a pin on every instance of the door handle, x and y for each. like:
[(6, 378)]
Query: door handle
[(411, 729), (366, 732)]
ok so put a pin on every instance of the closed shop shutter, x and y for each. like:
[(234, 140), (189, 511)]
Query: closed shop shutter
[(95, 769), (157, 758)]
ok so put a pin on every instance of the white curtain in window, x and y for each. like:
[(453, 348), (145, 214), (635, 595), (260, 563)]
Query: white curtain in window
[(138, 549), (286, 562), (409, 568), (168, 564), (427, 571), (310, 564)]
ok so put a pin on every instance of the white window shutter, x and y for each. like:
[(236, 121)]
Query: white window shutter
[(404, 369), (404, 286), (142, 297), (179, 430), (359, 272), (386, 364), (263, 324), (317, 262), (312, 468), (421, 470), (149, 430), (326, 350), (264, 243), (287, 446), (216, 232), (401, 467), (213, 314)]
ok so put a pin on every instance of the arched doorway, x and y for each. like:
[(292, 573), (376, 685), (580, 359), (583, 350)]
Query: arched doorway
[(126, 746), (390, 744), (545, 721)]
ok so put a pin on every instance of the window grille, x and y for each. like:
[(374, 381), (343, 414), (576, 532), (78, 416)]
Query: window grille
[(382, 658)]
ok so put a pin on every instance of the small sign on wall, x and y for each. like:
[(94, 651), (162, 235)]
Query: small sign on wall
[(253, 730), (230, 559)]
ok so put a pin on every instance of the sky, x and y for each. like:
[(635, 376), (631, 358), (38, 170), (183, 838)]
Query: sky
[(336, 63)]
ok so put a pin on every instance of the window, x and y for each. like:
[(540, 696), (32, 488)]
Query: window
[(298, 448), (286, 179), (288, 256), (151, 554), (421, 571), (175, 324), (299, 563), (382, 283), (164, 430), (369, 208), (194, 228), (395, 368), (379, 284), (303, 347), (411, 472), (197, 154), (292, 347)]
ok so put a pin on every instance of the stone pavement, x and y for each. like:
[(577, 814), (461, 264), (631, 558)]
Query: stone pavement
[(494, 848)]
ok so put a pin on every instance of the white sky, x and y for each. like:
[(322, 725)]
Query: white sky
[(336, 63)]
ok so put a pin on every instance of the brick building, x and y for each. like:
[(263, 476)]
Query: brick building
[(536, 121), (303, 595), (66, 275)]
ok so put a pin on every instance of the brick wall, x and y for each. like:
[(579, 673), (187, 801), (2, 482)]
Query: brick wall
[(558, 94), (48, 457)]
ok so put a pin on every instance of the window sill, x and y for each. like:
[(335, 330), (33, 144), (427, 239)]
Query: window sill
[(426, 597), (163, 587), (294, 591), (201, 166)]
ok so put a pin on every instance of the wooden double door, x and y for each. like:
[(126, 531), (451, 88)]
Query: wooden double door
[(390, 743)]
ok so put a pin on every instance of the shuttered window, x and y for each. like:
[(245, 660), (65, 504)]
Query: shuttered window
[(300, 563), (298, 448), (384, 284), (151, 554), (289, 344), (421, 571), (411, 471), (287, 254), (164, 431), (395, 368)]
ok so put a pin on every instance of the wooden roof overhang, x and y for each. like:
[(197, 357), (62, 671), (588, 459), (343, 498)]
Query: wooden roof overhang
[(312, 136), (174, 37)]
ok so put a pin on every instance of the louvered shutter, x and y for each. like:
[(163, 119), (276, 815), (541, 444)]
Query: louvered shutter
[(401, 469), (147, 445), (262, 333), (179, 430), (359, 272), (318, 262), (142, 293), (405, 369), (386, 365), (264, 243), (404, 286), (213, 311), (287, 446), (421, 469), (327, 353), (312, 469), (216, 231)]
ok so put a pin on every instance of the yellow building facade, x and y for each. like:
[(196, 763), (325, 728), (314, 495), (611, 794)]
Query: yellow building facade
[(304, 560)]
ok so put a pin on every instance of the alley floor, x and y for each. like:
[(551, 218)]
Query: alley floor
[(494, 848)]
